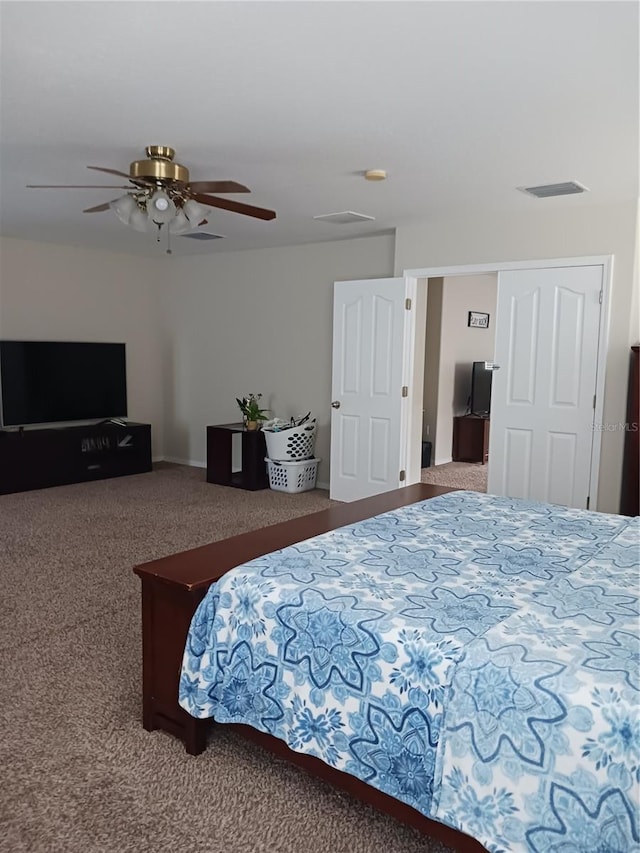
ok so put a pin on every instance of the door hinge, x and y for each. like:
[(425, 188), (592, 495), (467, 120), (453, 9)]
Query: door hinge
[(407, 304), (588, 501), (405, 391), (402, 476), (600, 298)]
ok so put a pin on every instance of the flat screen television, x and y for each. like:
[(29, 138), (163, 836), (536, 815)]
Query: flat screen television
[(481, 388), (54, 381)]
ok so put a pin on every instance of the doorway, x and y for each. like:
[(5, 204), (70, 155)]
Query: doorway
[(460, 339), (551, 337), (530, 331)]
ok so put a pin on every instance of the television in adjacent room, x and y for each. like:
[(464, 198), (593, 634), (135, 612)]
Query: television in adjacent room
[(481, 375), (44, 382)]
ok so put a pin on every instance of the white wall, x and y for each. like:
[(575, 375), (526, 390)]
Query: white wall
[(460, 346), (256, 321), (634, 322), (555, 228), (261, 320), (51, 292), (432, 362)]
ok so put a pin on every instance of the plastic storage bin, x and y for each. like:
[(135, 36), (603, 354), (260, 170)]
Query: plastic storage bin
[(292, 444), (292, 476)]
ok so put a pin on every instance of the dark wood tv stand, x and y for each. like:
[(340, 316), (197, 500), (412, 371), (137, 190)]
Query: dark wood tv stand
[(57, 456)]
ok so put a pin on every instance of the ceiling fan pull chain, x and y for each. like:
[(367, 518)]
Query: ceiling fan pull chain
[(169, 252)]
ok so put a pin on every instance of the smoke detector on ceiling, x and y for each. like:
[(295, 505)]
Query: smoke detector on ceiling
[(344, 217), (551, 190)]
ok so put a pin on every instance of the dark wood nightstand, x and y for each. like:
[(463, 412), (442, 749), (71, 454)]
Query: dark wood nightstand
[(253, 475), (470, 439)]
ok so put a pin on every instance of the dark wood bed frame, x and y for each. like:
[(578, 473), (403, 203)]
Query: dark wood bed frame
[(172, 588)]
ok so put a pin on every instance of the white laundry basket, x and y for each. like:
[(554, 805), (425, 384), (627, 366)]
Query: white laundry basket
[(292, 476), (292, 444)]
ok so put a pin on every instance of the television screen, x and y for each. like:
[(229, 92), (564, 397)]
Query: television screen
[(50, 381), (481, 388)]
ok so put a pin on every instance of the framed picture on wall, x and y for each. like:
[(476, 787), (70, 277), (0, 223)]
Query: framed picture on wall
[(478, 320)]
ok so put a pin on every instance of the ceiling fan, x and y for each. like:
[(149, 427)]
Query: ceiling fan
[(160, 193)]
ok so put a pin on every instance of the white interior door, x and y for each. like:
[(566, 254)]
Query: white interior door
[(543, 395), (368, 442)]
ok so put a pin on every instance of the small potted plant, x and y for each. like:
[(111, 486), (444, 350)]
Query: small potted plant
[(251, 411)]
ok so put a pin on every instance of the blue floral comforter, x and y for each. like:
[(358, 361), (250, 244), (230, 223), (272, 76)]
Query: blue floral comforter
[(473, 656)]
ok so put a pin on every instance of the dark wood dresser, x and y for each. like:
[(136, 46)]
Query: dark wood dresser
[(630, 487), (470, 439)]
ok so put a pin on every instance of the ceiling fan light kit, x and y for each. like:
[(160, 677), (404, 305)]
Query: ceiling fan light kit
[(194, 212), (191, 215), (130, 213), (160, 208), (161, 193), (142, 214), (179, 224), (124, 207)]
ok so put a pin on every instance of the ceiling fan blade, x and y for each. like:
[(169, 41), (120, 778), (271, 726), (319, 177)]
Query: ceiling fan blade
[(98, 207), (74, 187), (234, 206), (218, 187), (109, 171)]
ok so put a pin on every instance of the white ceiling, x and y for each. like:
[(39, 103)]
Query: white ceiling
[(461, 102)]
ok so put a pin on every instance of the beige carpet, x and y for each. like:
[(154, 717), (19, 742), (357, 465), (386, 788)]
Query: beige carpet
[(78, 772), (459, 475)]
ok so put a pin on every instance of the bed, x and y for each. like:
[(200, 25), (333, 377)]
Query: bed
[(464, 661)]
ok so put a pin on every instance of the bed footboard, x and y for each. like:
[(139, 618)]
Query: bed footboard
[(166, 614), (174, 586)]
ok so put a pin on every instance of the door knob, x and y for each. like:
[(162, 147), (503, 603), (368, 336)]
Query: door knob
[(335, 404)]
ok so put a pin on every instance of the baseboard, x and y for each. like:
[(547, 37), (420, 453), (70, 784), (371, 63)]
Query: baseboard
[(193, 463), (444, 461)]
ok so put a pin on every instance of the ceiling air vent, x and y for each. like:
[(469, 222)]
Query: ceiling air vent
[(550, 190), (345, 217), (202, 235)]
